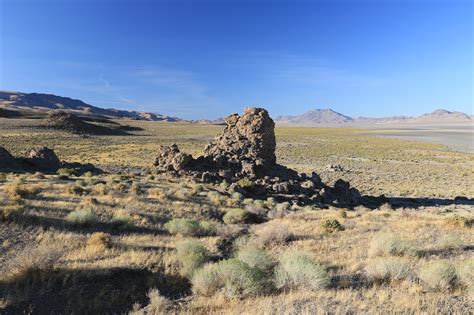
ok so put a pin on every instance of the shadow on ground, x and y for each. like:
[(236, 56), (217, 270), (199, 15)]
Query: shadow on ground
[(87, 291)]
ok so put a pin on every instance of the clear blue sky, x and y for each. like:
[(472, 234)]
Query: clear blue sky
[(205, 59)]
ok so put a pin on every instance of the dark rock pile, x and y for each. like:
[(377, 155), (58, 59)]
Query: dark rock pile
[(39, 159), (244, 155)]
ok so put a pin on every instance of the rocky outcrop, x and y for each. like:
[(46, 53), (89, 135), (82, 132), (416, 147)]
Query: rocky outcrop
[(171, 159), (244, 155), (248, 140), (6, 159), (43, 158)]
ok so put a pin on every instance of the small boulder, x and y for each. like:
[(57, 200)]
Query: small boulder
[(171, 159), (43, 158)]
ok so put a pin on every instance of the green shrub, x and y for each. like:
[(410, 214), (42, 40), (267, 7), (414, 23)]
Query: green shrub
[(330, 226), (190, 227), (297, 270), (256, 258), (236, 216), (191, 255), (233, 277), (438, 275), (245, 183), (122, 218), (384, 244), (388, 268), (81, 217)]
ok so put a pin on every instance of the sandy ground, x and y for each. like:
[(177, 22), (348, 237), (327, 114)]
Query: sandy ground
[(458, 137)]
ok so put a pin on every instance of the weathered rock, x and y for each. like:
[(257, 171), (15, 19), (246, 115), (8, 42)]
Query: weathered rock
[(171, 159), (334, 168), (43, 158), (250, 138)]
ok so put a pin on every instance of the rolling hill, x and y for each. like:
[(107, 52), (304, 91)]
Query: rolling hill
[(38, 103)]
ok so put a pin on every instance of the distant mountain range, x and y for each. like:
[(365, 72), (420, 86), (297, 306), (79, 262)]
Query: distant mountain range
[(328, 116), (14, 102)]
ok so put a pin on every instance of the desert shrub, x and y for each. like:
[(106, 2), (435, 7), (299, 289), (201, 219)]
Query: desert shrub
[(224, 185), (68, 171), (100, 240), (191, 255), (245, 183), (388, 268), (190, 227), (77, 190), (247, 201), (466, 274), (283, 206), (297, 271), (81, 217), (343, 213), (136, 189), (272, 234), (459, 221), (11, 212), (451, 242), (122, 218), (100, 189), (270, 202), (256, 258), (207, 228), (384, 244), (157, 304), (215, 198), (235, 216), (233, 277), (18, 191), (3, 177), (33, 263), (438, 275), (330, 226), (37, 175), (157, 193)]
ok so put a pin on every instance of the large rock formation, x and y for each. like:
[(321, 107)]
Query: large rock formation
[(248, 139), (43, 158), (246, 150)]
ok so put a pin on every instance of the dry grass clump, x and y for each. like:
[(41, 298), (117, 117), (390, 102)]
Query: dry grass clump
[(331, 225), (271, 234), (33, 264), (191, 255), (157, 193), (157, 304), (388, 269), (451, 242), (466, 275), (459, 221), (297, 271), (122, 218), (215, 198), (384, 244), (100, 189), (256, 258), (10, 213), (188, 227), (236, 216), (438, 275), (231, 277), (18, 191), (81, 217), (100, 240)]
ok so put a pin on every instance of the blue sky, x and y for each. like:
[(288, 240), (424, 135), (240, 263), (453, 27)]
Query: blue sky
[(206, 59)]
